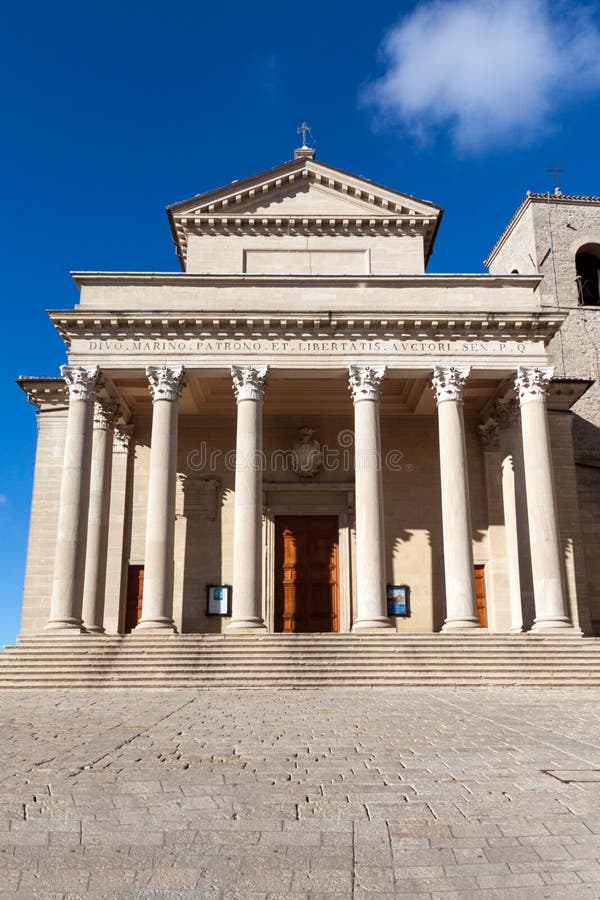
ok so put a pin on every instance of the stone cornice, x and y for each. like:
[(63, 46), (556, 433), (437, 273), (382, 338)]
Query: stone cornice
[(101, 324), (44, 391), (134, 279)]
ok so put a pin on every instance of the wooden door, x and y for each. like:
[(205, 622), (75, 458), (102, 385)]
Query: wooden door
[(135, 593), (480, 595), (306, 574)]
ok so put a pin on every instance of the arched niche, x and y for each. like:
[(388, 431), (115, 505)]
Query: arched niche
[(587, 263)]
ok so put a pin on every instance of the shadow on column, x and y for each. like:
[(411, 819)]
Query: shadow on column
[(202, 502)]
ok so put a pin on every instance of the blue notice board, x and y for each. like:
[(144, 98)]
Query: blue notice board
[(397, 600)]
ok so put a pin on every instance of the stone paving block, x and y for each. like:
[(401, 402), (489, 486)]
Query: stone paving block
[(237, 814), (373, 878)]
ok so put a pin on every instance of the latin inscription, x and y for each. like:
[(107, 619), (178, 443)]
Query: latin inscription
[(308, 346)]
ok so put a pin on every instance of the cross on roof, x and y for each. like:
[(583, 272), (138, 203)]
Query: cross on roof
[(304, 129), (556, 172)]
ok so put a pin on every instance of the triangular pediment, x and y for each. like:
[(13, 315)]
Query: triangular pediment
[(300, 182), (303, 190)]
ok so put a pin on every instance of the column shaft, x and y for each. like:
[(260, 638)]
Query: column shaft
[(166, 384), (461, 605), (99, 508), (67, 585), (546, 553), (116, 569), (365, 384), (249, 385)]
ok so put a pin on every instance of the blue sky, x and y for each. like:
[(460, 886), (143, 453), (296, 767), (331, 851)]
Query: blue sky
[(112, 111)]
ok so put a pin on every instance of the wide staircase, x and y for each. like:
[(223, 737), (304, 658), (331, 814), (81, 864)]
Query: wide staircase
[(300, 661)]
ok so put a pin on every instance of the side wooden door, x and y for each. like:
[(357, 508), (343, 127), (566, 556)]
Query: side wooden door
[(135, 593), (480, 595)]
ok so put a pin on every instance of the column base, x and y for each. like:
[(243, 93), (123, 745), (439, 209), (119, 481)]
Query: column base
[(558, 625), (64, 626), (467, 624), (250, 625), (160, 626), (374, 625), (95, 629)]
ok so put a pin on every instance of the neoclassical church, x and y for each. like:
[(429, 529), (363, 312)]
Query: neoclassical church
[(303, 431)]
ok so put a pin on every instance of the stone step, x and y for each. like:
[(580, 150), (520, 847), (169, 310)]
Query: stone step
[(291, 661), (309, 682)]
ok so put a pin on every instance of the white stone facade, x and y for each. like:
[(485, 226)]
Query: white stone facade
[(303, 307)]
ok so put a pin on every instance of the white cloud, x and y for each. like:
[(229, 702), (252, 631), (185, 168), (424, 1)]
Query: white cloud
[(491, 72)]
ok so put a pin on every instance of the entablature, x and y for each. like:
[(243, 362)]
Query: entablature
[(118, 325)]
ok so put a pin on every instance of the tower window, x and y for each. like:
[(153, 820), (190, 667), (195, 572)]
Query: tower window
[(587, 262)]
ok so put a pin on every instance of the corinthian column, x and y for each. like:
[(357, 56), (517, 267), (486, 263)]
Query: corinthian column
[(166, 384), (67, 585), (448, 384), (365, 385), (249, 386), (105, 413), (550, 609)]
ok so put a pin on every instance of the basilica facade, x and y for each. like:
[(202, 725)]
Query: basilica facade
[(303, 431)]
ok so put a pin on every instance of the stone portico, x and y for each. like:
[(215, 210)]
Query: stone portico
[(170, 450)]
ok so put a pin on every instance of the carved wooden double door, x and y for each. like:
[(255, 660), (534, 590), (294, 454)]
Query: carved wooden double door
[(306, 573)]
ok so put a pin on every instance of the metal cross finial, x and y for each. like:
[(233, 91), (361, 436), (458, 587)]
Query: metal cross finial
[(556, 172), (304, 129)]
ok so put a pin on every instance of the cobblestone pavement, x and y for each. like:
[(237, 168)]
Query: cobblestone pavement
[(437, 793)]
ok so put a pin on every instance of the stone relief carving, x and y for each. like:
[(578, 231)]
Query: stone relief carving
[(366, 382), (449, 382), (165, 382), (308, 456), (532, 384), (249, 382), (198, 496), (83, 382)]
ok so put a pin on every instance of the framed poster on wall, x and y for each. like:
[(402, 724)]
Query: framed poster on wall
[(397, 600), (218, 599)]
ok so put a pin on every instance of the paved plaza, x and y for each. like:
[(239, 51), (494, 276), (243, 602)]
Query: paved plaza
[(425, 793)]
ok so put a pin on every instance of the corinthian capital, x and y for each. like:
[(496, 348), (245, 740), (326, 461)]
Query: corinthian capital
[(122, 438), (249, 382), (365, 382), (105, 413), (82, 381), (532, 384), (507, 411), (166, 382), (488, 434), (449, 382)]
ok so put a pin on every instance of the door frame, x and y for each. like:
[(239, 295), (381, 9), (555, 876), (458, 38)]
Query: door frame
[(293, 499)]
